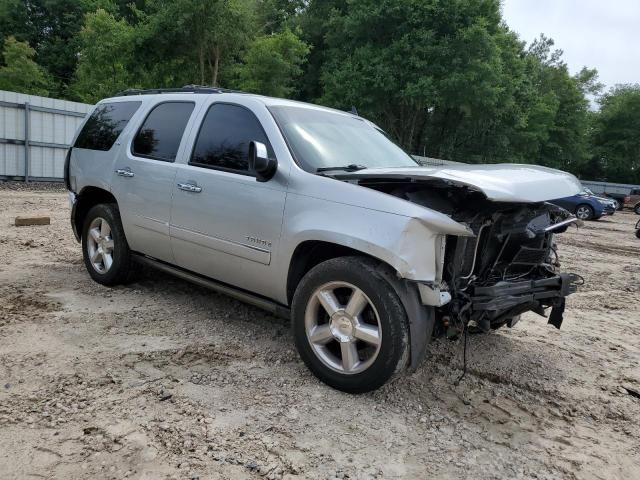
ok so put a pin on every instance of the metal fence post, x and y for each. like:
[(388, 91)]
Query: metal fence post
[(27, 149)]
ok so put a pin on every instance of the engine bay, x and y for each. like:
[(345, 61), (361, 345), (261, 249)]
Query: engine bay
[(509, 267)]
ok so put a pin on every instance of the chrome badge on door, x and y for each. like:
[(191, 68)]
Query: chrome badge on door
[(258, 241)]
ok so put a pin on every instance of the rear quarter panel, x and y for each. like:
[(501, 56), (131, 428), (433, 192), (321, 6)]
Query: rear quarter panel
[(95, 168)]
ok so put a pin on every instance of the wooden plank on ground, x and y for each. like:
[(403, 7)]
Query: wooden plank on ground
[(36, 220)]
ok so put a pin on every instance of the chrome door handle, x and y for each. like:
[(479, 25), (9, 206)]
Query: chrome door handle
[(125, 172), (189, 187)]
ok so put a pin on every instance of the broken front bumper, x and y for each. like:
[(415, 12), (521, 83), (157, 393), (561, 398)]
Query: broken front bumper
[(545, 292)]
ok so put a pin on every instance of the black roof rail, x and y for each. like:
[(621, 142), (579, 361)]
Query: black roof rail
[(186, 89)]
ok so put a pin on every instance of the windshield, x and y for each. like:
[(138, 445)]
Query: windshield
[(323, 139)]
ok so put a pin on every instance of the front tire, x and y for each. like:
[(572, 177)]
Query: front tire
[(584, 212), (349, 326), (637, 209), (104, 247)]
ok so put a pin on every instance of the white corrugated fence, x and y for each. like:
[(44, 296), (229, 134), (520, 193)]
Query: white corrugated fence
[(35, 133)]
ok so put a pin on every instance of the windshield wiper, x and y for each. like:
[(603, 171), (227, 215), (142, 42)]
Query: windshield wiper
[(345, 168)]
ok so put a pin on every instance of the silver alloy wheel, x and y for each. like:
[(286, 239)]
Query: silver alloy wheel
[(583, 212), (100, 245), (343, 327)]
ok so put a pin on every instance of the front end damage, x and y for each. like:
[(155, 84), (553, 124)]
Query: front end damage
[(510, 265)]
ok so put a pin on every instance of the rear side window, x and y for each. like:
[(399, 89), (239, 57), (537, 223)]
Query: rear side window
[(105, 125), (160, 134), (224, 137)]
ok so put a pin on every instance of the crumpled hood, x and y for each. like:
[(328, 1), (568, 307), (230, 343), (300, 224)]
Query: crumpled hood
[(504, 182)]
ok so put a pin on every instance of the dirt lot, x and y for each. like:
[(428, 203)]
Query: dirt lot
[(161, 379)]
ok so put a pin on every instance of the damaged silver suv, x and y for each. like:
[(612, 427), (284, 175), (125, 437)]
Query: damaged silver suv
[(316, 215)]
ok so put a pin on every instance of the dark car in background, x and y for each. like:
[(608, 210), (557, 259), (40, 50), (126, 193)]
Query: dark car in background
[(630, 199), (587, 206), (633, 200)]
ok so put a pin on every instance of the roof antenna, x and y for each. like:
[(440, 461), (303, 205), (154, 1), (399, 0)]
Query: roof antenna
[(354, 111)]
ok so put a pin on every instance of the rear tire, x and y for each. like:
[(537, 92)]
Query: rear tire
[(104, 247), (637, 209), (349, 326)]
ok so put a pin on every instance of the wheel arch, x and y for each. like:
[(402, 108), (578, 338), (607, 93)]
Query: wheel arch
[(87, 198), (594, 212), (310, 253), (421, 318)]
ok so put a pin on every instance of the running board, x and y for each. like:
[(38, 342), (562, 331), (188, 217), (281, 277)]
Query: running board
[(239, 294)]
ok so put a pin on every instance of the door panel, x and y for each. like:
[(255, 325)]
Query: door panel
[(144, 177), (262, 256), (145, 204), (224, 223), (229, 229)]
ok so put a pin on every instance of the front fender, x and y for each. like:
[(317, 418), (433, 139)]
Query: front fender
[(413, 246), (598, 208)]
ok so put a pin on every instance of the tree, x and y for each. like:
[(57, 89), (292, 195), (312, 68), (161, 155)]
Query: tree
[(430, 72), (52, 28), (615, 136), (558, 107), (313, 22), (206, 33), (276, 15), (444, 77), (20, 73), (106, 62), (272, 64), (449, 79)]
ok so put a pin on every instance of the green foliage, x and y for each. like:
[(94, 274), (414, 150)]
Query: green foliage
[(106, 63), (51, 27), (272, 64), (430, 71), (616, 136), (275, 15), (314, 26), (20, 72), (556, 108), (445, 78), (206, 34), (448, 79)]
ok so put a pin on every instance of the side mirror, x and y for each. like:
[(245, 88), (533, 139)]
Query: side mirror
[(260, 162)]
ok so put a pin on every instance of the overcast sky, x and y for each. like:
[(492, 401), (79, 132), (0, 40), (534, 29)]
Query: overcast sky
[(601, 34)]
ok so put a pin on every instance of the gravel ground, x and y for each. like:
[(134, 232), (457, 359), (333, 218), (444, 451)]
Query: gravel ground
[(162, 379)]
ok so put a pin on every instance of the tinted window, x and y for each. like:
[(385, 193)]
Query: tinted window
[(160, 134), (225, 134), (105, 125)]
